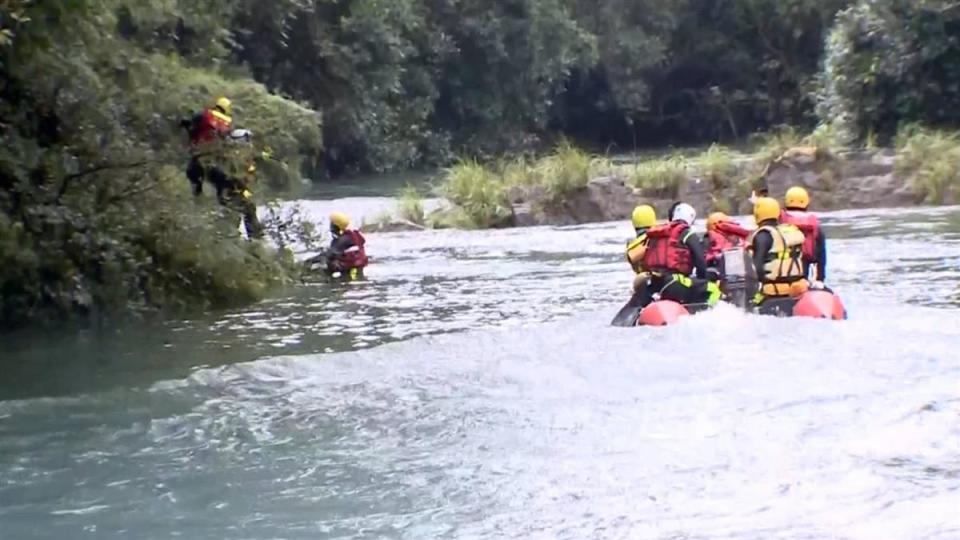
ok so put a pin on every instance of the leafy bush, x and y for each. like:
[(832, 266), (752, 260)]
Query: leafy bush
[(891, 62), (95, 212), (132, 247)]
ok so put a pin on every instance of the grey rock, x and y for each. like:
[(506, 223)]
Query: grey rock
[(523, 216)]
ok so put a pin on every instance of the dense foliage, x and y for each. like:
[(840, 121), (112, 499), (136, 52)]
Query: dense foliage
[(893, 62), (406, 82), (94, 208)]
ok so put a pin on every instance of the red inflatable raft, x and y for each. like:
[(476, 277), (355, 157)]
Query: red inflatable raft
[(816, 304)]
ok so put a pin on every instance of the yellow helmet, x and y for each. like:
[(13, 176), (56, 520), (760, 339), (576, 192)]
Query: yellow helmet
[(766, 208), (797, 197), (715, 218), (644, 216), (340, 220), (226, 105)]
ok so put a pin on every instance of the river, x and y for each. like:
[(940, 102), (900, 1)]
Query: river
[(472, 388)]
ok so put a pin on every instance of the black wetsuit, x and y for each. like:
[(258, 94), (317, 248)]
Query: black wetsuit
[(686, 289), (820, 253)]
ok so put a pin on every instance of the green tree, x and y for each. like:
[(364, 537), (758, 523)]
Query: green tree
[(889, 62)]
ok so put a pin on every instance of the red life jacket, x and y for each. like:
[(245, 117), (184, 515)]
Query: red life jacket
[(213, 124), (356, 256), (726, 235), (809, 225), (666, 250)]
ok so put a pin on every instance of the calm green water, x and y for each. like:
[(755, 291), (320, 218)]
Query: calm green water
[(472, 388)]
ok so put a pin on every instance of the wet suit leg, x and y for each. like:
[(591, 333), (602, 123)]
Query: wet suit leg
[(687, 290), (250, 220), (234, 196), (642, 296), (196, 175)]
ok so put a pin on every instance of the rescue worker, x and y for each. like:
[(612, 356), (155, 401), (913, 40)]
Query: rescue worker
[(644, 217), (672, 254), (224, 156), (797, 200), (776, 250), (722, 234), (206, 130), (240, 167), (347, 254)]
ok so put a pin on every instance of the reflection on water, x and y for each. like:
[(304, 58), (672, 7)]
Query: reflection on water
[(472, 388)]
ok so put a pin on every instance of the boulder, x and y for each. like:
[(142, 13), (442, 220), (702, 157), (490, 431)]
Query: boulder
[(875, 191), (613, 197), (696, 192), (523, 216), (802, 166), (853, 179), (607, 198), (867, 163)]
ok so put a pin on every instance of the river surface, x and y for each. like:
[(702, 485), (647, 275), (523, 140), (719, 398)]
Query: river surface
[(472, 388)]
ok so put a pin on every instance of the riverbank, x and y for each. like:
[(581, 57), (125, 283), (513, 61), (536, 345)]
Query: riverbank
[(570, 186)]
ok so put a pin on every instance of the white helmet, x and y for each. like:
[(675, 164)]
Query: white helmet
[(685, 212), (241, 135)]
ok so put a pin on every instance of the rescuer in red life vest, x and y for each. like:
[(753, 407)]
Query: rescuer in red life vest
[(722, 234), (796, 201), (205, 129), (673, 253), (347, 254)]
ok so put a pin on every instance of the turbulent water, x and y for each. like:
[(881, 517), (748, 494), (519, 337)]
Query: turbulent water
[(472, 388)]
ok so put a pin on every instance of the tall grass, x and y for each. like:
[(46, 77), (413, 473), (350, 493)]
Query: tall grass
[(517, 172), (933, 159), (772, 144), (410, 205), (661, 177), (479, 194), (568, 169), (717, 165)]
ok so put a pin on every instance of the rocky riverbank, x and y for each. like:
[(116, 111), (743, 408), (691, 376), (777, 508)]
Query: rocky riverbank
[(856, 179), (923, 169)]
